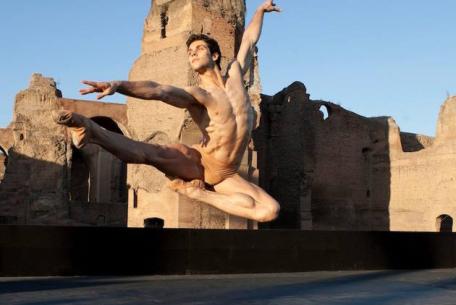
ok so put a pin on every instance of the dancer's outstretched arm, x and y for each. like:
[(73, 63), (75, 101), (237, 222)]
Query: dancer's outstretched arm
[(252, 34), (147, 90)]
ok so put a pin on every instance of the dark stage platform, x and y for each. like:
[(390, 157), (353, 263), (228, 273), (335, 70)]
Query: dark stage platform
[(43, 251), (397, 287)]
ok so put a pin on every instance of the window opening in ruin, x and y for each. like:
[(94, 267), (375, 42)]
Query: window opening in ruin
[(325, 111), (163, 21), (79, 187), (3, 163), (97, 175), (444, 223), (154, 223), (101, 220), (135, 199), (366, 151)]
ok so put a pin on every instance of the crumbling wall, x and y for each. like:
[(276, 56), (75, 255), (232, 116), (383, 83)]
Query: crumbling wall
[(415, 142), (6, 138), (34, 188), (327, 172), (423, 183), (36, 185), (347, 172)]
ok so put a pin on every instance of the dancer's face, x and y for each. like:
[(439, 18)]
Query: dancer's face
[(200, 57)]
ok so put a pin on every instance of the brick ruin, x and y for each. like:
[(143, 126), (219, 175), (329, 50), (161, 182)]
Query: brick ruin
[(46, 181), (343, 171), (330, 168)]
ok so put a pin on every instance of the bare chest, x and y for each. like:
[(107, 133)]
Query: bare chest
[(228, 103)]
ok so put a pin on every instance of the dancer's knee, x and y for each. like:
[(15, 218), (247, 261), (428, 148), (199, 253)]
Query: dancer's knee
[(268, 212)]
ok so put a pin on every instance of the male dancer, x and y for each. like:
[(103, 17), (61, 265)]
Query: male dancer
[(221, 108)]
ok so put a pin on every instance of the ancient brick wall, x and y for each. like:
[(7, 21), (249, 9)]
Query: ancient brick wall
[(34, 187), (37, 185), (348, 172), (320, 168), (423, 183)]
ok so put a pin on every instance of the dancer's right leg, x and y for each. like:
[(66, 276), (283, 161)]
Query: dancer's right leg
[(175, 160)]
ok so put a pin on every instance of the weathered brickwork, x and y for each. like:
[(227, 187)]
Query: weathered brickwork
[(44, 179), (348, 172)]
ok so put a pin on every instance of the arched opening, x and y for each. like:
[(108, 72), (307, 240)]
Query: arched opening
[(163, 20), (325, 112), (3, 163), (79, 189), (444, 223), (96, 174), (101, 220)]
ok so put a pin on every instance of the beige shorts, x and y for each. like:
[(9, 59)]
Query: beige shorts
[(215, 171)]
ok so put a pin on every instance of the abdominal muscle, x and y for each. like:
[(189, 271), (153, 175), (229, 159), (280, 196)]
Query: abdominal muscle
[(227, 139), (222, 154)]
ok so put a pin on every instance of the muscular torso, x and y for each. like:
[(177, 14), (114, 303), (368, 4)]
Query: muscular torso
[(226, 119)]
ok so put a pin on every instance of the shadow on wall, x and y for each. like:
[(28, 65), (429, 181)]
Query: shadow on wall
[(33, 192), (98, 184), (97, 175), (36, 192), (329, 168)]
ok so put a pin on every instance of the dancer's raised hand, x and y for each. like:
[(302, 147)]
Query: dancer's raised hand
[(105, 88), (269, 6)]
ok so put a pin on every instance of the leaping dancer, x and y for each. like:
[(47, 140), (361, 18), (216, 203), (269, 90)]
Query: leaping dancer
[(221, 108)]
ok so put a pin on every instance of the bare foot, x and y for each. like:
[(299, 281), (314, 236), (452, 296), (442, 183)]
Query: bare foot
[(190, 189), (79, 126)]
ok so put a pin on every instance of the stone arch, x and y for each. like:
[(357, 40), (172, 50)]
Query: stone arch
[(325, 111), (108, 123), (444, 223), (101, 220), (3, 162), (96, 174)]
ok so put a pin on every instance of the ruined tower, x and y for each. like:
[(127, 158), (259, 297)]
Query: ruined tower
[(164, 59), (34, 186)]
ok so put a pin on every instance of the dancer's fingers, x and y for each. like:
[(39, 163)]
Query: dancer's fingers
[(90, 83), (88, 90), (100, 96)]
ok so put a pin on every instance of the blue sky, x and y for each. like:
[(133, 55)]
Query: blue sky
[(373, 57)]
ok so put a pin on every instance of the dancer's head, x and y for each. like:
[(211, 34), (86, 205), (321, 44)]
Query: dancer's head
[(203, 52)]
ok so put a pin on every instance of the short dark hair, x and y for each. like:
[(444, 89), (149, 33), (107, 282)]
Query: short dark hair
[(212, 44)]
